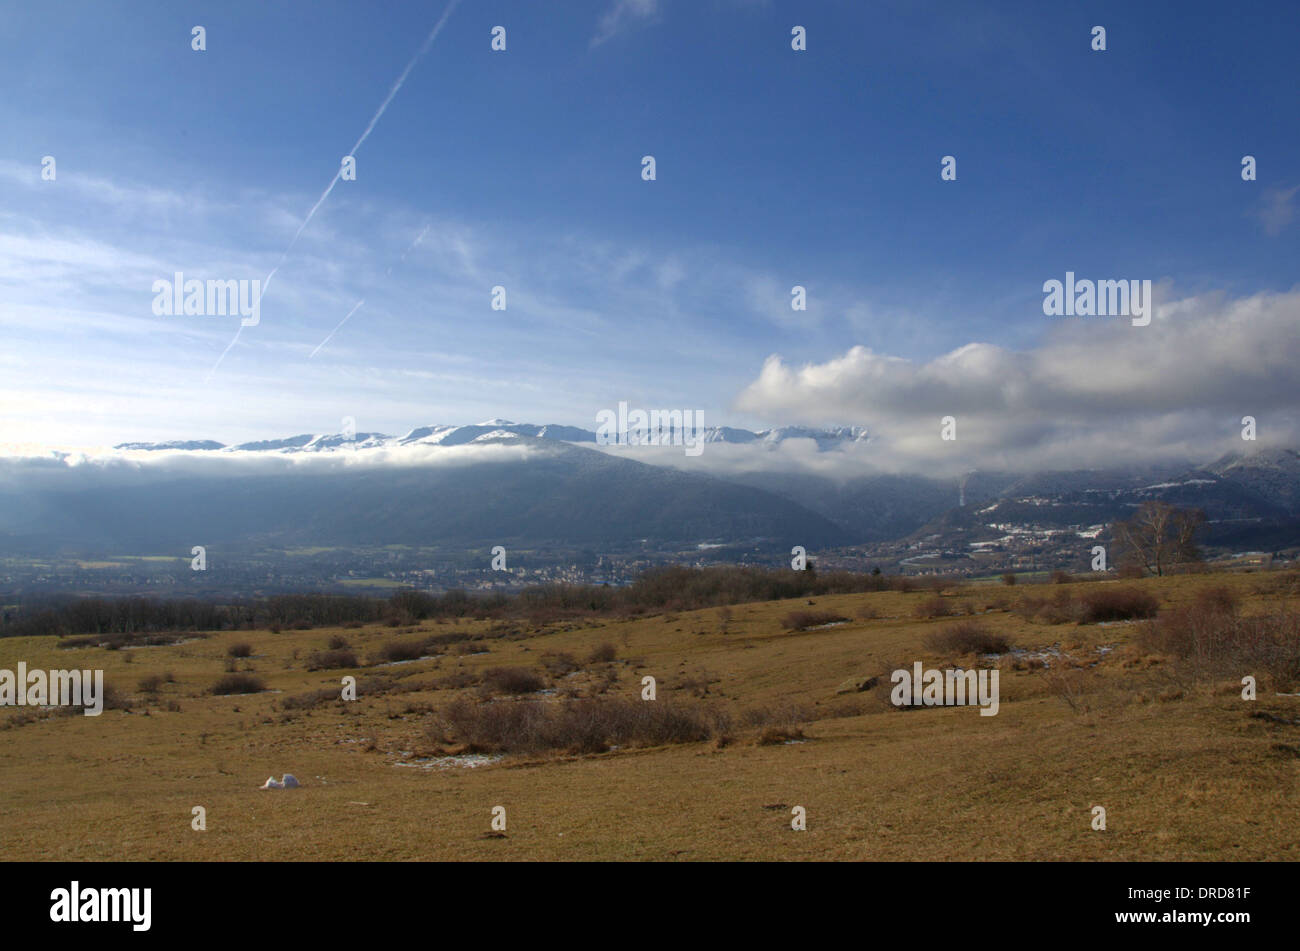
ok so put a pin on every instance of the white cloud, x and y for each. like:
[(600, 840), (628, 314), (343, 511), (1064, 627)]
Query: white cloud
[(1096, 392), (1277, 209), (16, 461), (622, 16)]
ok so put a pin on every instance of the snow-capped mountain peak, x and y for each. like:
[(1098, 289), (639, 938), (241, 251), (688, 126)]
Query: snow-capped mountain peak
[(492, 429)]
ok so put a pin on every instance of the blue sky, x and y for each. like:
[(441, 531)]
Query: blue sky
[(522, 168)]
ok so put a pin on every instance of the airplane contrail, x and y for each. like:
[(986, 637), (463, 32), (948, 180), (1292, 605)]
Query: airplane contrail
[(402, 259), (355, 308), (387, 272), (424, 48)]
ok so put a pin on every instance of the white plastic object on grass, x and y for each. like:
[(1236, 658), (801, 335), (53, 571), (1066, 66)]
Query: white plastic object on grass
[(290, 781)]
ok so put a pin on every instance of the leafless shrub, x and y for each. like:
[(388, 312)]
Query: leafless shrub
[(332, 659), (237, 684), (511, 680), (604, 654), (559, 663), (395, 651), (579, 726), (1059, 609), (934, 606), (150, 684), (1070, 686), (442, 640), (803, 620), (305, 701), (1118, 604), (967, 637), (458, 680), (773, 735)]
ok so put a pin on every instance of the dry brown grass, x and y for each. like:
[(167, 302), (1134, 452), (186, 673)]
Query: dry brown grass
[(1186, 768)]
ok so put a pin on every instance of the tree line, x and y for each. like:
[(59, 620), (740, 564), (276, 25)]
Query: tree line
[(667, 588)]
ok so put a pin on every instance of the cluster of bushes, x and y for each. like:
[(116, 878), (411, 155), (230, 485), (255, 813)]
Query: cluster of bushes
[(1211, 637), (1090, 607), (579, 726), (335, 659), (597, 724), (375, 686), (118, 641), (340, 655)]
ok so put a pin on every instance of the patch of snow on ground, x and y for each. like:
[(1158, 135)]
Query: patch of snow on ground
[(464, 761)]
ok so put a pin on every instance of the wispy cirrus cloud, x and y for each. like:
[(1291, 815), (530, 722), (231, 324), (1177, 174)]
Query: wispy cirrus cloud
[(623, 16), (1276, 209)]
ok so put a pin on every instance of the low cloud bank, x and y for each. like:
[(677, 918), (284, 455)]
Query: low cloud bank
[(1098, 392)]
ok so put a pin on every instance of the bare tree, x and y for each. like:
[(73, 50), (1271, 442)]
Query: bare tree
[(1158, 536)]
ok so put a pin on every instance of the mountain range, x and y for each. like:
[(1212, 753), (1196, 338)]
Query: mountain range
[(492, 429), (546, 485)]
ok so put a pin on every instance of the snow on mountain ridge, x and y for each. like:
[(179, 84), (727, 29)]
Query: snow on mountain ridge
[(452, 435)]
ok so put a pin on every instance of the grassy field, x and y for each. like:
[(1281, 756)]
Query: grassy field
[(1185, 768)]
